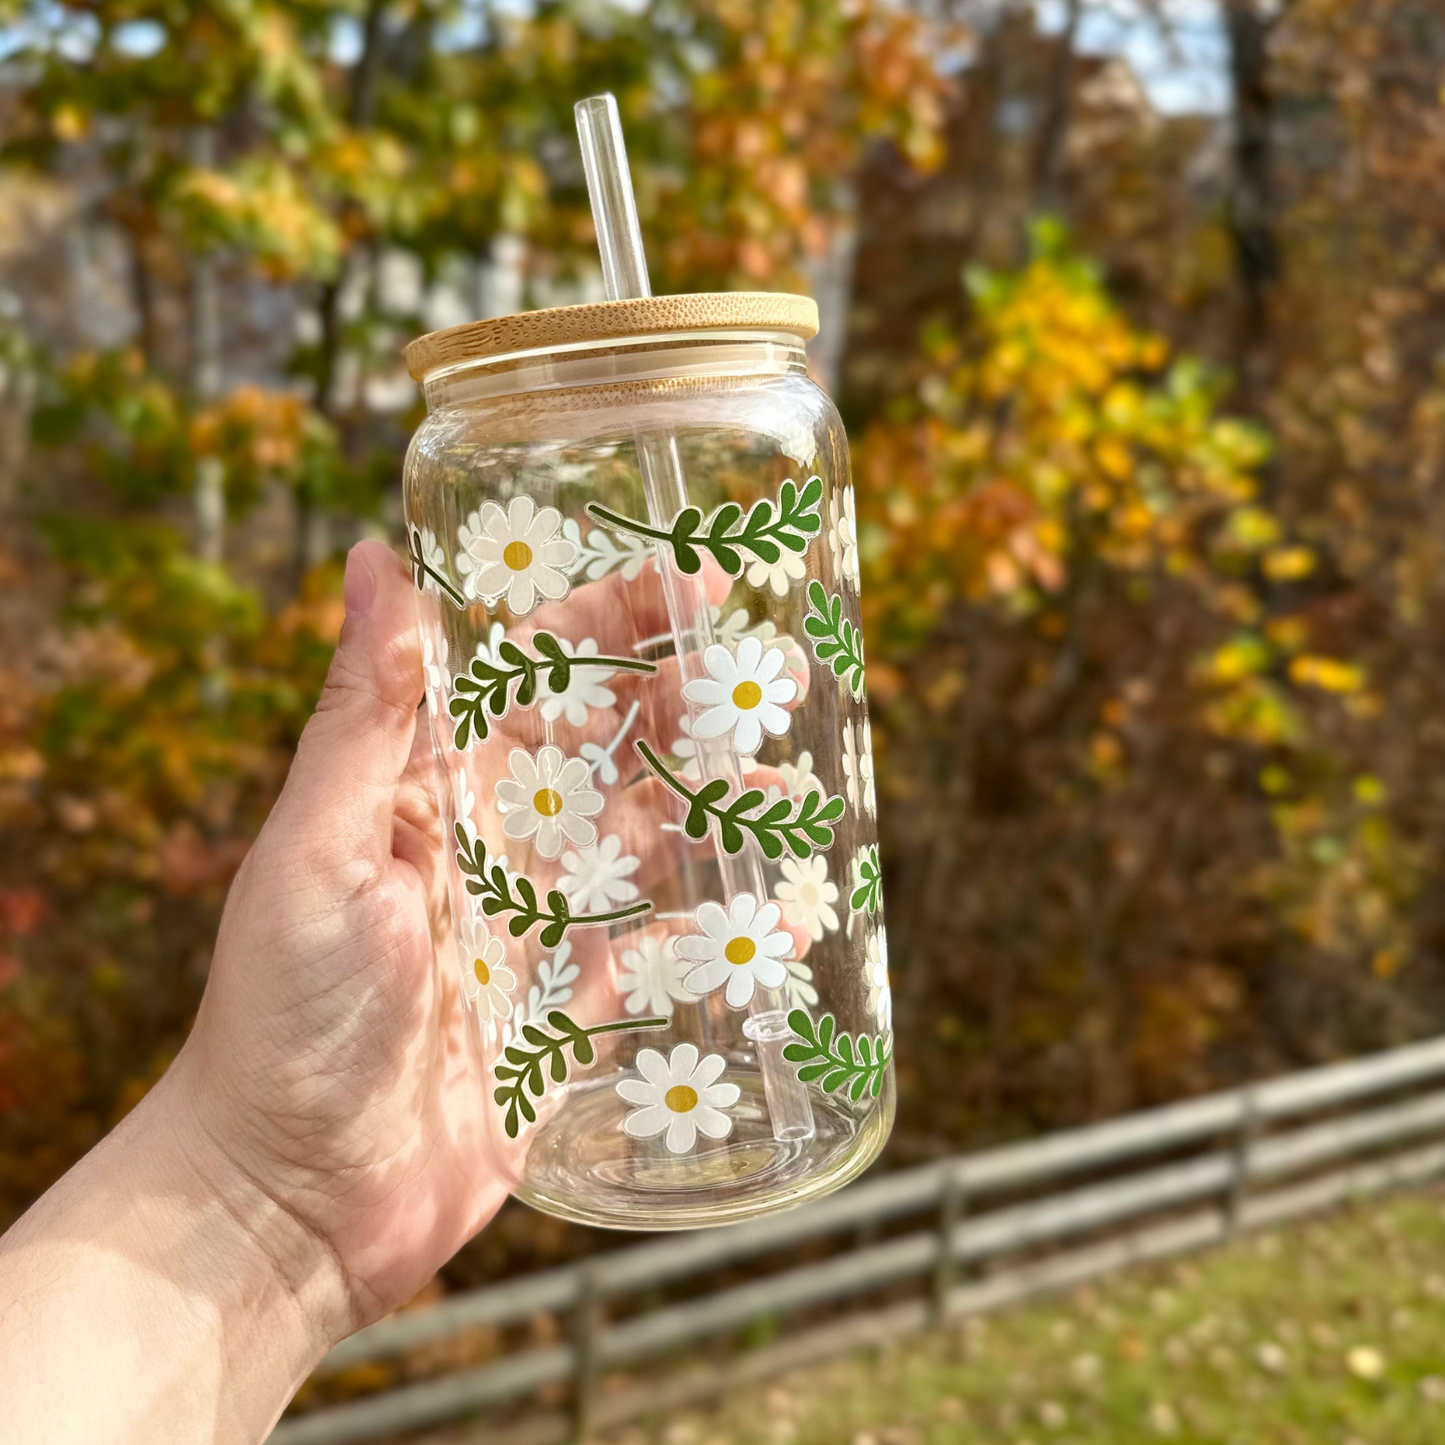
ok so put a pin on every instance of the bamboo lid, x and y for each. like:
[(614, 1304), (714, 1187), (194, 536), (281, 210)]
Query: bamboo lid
[(612, 320)]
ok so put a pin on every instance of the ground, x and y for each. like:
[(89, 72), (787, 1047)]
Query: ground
[(1330, 1333)]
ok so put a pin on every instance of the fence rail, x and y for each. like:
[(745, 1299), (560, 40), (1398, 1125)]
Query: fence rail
[(1267, 1158)]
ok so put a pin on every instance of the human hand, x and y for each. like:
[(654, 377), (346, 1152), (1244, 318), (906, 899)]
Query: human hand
[(328, 1066)]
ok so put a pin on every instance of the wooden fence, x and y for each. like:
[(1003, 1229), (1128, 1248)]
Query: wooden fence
[(920, 1247)]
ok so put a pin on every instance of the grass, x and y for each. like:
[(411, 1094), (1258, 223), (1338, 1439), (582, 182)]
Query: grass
[(1330, 1333)]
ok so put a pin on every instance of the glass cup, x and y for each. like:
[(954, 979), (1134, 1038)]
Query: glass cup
[(634, 536)]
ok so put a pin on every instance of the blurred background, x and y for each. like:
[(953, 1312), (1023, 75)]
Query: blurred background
[(1135, 310)]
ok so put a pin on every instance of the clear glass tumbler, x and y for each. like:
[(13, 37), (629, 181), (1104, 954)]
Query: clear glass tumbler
[(633, 532)]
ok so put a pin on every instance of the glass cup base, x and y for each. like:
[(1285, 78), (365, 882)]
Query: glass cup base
[(584, 1167)]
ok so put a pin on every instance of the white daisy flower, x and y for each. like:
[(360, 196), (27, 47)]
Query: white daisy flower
[(487, 982), (548, 796), (799, 778), (807, 895), (679, 1096), (794, 658), (843, 538), (858, 768), (741, 946), (652, 977), (799, 986), (434, 654), (487, 648), (742, 694), (865, 769), (875, 971), (584, 688), (779, 575), (731, 630), (685, 747), (463, 802), (595, 879), (517, 555), (434, 557)]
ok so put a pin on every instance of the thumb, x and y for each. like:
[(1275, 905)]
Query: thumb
[(341, 790)]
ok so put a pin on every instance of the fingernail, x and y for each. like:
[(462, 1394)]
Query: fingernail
[(360, 584)]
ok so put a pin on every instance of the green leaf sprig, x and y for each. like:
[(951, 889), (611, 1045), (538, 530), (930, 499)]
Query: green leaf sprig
[(834, 1059), (522, 1069), (797, 825), (496, 892), (767, 529), (836, 642), (423, 572), (867, 895), (487, 687)]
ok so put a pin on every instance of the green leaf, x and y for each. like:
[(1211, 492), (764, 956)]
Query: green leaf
[(530, 1067), (836, 642), (512, 682), (763, 533), (498, 896), (796, 826), (834, 1058)]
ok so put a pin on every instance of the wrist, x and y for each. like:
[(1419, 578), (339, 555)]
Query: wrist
[(247, 1234), (197, 1301)]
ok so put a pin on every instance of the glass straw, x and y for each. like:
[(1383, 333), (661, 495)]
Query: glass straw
[(624, 274)]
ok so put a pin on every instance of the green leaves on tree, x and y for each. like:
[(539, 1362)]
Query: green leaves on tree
[(488, 686), (834, 1059), (498, 896), (522, 1068), (427, 571), (768, 528), (867, 894), (836, 642), (797, 825)]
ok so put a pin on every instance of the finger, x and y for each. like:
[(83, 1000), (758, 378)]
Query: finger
[(341, 790)]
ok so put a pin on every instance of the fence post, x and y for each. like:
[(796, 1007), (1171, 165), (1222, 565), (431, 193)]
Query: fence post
[(952, 1205), (587, 1322), (1244, 1136)]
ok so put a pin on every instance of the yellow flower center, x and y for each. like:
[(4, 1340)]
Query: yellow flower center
[(547, 801), (747, 695), (680, 1099), (483, 973), (808, 893), (517, 556), (740, 951)]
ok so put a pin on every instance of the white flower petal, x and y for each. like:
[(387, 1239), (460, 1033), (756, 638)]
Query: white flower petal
[(637, 1091), (749, 657), (648, 1123), (520, 512), (741, 912), (719, 1096), (681, 1133), (710, 1122), (652, 1065), (715, 722), (709, 976), (748, 734), (521, 593), (522, 823), (740, 987), (708, 1071)]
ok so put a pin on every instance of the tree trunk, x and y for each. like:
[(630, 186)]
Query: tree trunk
[(210, 478), (1252, 200), (314, 522), (1058, 102)]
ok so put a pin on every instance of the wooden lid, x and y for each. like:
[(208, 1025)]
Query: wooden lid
[(612, 320)]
